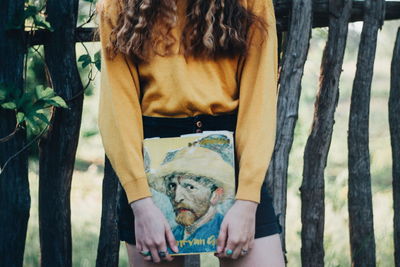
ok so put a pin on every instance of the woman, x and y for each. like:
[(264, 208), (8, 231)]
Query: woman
[(173, 67)]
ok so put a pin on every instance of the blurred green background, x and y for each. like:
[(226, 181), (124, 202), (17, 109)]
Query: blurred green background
[(87, 180)]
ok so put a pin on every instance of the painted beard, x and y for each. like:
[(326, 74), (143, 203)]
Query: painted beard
[(185, 216)]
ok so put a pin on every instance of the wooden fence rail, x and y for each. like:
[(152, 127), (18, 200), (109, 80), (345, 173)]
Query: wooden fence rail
[(283, 8), (295, 20)]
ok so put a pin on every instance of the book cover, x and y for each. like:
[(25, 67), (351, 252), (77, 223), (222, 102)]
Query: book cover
[(192, 180)]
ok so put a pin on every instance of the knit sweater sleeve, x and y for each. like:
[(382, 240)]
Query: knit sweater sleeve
[(256, 124), (120, 116)]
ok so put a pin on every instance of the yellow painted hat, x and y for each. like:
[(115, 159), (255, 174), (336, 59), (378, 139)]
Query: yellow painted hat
[(198, 161)]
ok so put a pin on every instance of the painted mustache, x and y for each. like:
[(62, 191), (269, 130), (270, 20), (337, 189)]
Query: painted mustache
[(183, 208)]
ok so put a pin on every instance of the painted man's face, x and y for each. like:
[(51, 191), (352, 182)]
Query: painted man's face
[(189, 197)]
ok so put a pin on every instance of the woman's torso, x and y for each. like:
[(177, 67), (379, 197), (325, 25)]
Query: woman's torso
[(173, 86)]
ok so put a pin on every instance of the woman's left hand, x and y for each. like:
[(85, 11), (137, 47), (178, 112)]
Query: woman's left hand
[(236, 235)]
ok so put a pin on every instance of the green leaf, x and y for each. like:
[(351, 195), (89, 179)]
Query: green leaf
[(97, 60), (40, 105), (44, 93), (9, 105), (20, 117), (32, 125), (30, 11), (42, 117), (57, 101), (38, 91), (41, 22), (85, 59), (3, 94), (25, 100)]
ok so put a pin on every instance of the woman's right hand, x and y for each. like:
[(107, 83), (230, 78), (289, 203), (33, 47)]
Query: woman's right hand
[(152, 230)]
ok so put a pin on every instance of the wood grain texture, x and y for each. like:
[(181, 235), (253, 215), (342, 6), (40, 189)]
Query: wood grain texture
[(394, 124), (319, 140), (58, 146), (362, 237), (192, 261), (108, 247), (294, 57), (15, 198)]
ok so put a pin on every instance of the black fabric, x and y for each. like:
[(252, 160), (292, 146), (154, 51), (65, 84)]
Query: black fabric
[(266, 221)]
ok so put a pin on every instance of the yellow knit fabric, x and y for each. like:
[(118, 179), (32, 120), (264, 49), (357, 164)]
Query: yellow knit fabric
[(176, 87)]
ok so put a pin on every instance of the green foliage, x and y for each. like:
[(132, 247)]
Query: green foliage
[(97, 60), (30, 105), (33, 12), (86, 60)]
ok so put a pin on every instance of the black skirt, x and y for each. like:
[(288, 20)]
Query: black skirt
[(267, 222)]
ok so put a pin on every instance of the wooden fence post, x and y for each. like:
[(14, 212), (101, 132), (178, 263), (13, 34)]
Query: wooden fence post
[(296, 49), (108, 247), (58, 146), (15, 200), (192, 261), (362, 237), (394, 123), (319, 140)]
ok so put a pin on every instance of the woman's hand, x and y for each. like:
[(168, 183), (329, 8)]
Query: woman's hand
[(152, 231), (236, 235)]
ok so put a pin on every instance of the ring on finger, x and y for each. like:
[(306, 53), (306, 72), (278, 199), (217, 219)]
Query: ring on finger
[(145, 253), (244, 252), (162, 254)]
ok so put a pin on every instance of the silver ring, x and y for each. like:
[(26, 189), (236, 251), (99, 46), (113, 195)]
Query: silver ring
[(145, 253), (244, 251), (162, 254)]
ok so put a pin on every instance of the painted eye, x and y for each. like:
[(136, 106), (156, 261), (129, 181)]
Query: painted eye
[(171, 186), (189, 186)]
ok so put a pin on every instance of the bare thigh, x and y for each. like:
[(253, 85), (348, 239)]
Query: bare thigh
[(136, 260), (266, 252)]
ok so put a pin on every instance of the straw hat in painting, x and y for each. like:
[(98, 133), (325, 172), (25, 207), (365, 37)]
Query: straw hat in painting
[(195, 160)]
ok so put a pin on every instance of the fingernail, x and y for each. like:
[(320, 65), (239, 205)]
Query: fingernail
[(219, 249), (176, 249)]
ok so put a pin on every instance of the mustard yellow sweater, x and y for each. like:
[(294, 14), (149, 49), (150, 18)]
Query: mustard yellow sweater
[(180, 88)]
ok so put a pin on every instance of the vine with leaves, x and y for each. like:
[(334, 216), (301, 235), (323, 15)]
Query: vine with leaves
[(34, 105)]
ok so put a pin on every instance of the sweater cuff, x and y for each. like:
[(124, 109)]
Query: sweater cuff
[(137, 189), (249, 191)]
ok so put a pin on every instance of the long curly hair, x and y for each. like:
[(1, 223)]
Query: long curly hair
[(213, 29)]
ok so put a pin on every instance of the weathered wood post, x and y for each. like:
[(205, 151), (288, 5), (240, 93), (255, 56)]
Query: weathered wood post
[(319, 140), (15, 200), (108, 248), (58, 146), (362, 237), (296, 50), (394, 123)]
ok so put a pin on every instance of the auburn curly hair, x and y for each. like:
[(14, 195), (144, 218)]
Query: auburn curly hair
[(213, 29)]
